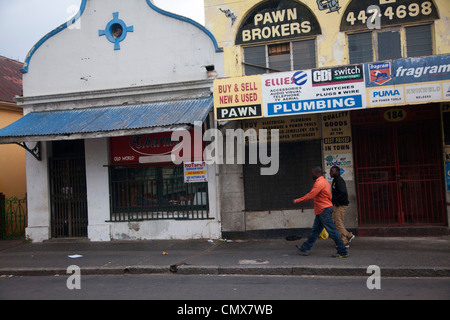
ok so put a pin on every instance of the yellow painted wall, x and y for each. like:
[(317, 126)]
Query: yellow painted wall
[(331, 45), (12, 159)]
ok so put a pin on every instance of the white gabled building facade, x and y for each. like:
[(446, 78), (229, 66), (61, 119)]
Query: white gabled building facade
[(118, 74)]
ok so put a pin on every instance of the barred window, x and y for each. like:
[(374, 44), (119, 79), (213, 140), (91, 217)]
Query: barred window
[(293, 180), (152, 193)]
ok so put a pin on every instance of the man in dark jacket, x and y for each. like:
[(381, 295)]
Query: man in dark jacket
[(340, 203)]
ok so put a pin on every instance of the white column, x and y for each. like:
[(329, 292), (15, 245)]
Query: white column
[(38, 195), (97, 181)]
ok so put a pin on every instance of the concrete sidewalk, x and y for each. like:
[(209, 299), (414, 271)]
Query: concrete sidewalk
[(396, 257)]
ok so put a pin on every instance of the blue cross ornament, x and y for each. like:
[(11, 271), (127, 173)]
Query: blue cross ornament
[(116, 31)]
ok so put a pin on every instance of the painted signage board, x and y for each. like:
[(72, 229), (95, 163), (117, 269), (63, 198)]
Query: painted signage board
[(424, 69), (195, 171), (150, 148), (314, 91), (290, 128), (334, 89), (361, 14), (408, 81), (238, 98), (277, 20), (344, 161), (337, 143)]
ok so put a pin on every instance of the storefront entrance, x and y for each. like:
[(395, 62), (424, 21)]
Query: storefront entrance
[(398, 166), (68, 190)]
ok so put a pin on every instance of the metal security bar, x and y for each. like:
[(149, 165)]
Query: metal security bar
[(13, 218), (398, 170), (68, 198), (143, 194)]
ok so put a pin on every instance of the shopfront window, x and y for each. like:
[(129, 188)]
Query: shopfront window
[(255, 60), (419, 41), (360, 47), (293, 180), (151, 193), (304, 54), (279, 56), (386, 44), (389, 47), (288, 56)]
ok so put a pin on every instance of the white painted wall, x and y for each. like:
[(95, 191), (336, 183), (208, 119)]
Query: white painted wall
[(38, 196), (166, 230), (97, 183), (160, 50), (162, 59)]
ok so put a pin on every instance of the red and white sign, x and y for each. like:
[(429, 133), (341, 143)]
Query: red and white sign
[(154, 148)]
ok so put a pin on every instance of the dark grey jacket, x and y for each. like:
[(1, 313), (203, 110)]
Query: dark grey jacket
[(339, 192)]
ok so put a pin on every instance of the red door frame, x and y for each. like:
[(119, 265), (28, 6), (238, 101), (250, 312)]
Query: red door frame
[(395, 188)]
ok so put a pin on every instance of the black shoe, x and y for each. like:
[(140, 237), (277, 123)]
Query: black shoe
[(303, 252), (340, 255)]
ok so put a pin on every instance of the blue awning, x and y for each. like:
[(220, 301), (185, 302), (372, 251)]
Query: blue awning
[(107, 121)]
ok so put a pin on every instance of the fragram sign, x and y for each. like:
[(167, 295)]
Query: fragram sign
[(411, 80)]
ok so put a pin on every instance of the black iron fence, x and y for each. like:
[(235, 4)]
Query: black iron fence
[(13, 219)]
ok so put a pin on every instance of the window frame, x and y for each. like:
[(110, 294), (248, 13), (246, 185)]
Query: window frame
[(271, 201), (433, 39), (267, 68), (172, 198), (403, 41)]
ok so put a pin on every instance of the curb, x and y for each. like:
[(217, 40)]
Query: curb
[(232, 270), (312, 271)]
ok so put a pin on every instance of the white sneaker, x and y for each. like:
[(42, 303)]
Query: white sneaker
[(351, 238)]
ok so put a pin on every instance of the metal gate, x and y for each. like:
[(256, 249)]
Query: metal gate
[(13, 217), (398, 166), (68, 197)]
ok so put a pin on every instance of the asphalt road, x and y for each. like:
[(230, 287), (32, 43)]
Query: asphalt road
[(214, 287)]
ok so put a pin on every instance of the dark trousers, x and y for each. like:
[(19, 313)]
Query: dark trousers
[(324, 220)]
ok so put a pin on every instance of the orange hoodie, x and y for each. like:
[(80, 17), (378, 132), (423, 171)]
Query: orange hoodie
[(321, 194)]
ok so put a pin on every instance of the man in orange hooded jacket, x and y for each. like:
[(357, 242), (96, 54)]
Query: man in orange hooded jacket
[(323, 209)]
